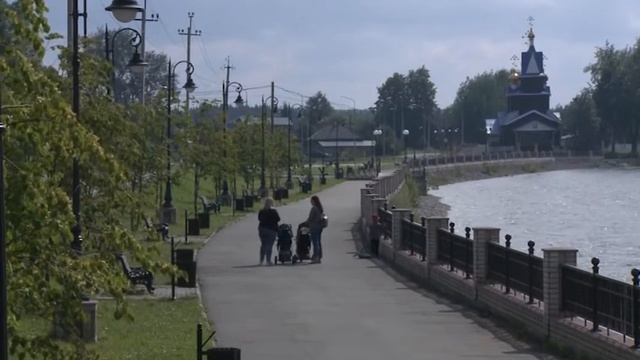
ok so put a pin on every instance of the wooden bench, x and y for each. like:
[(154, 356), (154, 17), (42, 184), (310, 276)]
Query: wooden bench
[(137, 275), (162, 229), (209, 206)]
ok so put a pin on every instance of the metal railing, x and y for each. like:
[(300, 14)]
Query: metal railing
[(503, 155), (455, 250), (516, 270), (602, 301), (385, 219), (414, 236)]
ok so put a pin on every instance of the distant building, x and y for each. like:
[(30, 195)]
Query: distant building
[(527, 124), (326, 141)]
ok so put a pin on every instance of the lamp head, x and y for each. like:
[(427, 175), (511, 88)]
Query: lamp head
[(189, 86), (124, 10), (239, 101), (137, 64), (405, 132)]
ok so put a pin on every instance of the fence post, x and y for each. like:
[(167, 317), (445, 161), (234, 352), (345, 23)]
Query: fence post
[(467, 253), (173, 263), (433, 224), (452, 230), (411, 250), (531, 244), (594, 279), (396, 227), (507, 275), (553, 259), (199, 341), (481, 238), (635, 273), (186, 226), (423, 222)]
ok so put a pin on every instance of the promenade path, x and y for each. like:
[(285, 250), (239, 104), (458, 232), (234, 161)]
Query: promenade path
[(344, 309)]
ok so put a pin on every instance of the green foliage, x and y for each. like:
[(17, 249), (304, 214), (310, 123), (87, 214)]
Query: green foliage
[(478, 98), (317, 108), (580, 119), (46, 279), (407, 99)]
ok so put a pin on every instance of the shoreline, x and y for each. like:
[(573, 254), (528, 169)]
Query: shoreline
[(433, 206)]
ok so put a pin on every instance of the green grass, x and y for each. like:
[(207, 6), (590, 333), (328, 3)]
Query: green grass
[(162, 329), (407, 197)]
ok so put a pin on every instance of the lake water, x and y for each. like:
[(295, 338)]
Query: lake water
[(596, 211)]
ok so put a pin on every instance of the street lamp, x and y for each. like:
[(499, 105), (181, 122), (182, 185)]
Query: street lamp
[(405, 133), (168, 211), (274, 110), (237, 87), (124, 10), (136, 63), (262, 191), (299, 107), (377, 133)]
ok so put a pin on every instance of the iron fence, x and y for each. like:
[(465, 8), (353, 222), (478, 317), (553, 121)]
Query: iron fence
[(516, 270), (455, 250), (414, 237), (385, 217), (603, 301)]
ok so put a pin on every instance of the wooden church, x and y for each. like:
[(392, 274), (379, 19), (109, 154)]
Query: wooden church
[(527, 124)]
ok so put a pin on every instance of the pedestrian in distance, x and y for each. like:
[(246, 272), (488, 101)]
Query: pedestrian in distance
[(316, 224), (268, 218)]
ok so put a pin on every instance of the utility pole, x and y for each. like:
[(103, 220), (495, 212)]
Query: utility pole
[(189, 33), (143, 31), (225, 95), (273, 99)]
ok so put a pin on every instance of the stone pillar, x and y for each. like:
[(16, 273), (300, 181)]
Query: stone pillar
[(396, 226), (90, 321), (481, 238), (363, 202), (553, 258), (433, 224)]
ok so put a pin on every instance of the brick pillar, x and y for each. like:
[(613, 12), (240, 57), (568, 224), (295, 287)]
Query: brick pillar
[(396, 226), (433, 224), (481, 238), (553, 258)]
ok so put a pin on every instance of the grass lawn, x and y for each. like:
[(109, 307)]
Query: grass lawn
[(162, 329), (407, 197)]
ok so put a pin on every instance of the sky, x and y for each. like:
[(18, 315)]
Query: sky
[(348, 48)]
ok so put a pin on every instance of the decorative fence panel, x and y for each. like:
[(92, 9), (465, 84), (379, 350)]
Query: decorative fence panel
[(385, 217), (414, 237), (455, 250), (516, 270)]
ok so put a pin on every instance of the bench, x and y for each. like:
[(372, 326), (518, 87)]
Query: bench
[(162, 229), (209, 206), (137, 275)]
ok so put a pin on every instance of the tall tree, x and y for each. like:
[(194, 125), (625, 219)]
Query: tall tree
[(317, 108), (580, 119), (478, 98)]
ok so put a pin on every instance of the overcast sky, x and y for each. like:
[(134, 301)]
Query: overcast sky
[(349, 47)]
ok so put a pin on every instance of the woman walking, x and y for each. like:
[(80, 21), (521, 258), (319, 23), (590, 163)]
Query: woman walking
[(267, 229), (314, 221)]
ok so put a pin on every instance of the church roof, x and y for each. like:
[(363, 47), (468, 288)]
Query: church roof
[(329, 133), (532, 60)]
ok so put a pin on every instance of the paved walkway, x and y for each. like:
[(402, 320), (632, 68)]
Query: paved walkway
[(345, 308)]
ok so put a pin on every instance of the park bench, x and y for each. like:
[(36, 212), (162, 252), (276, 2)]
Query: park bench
[(162, 229), (136, 275), (209, 206)]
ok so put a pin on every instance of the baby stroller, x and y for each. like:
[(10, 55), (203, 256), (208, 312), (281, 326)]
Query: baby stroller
[(285, 239), (303, 243)]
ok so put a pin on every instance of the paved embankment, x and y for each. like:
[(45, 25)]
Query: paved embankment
[(345, 308)]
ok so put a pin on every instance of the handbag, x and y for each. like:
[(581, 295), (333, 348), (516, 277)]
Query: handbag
[(324, 221)]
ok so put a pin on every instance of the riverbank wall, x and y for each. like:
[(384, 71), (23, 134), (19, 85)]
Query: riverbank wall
[(544, 296)]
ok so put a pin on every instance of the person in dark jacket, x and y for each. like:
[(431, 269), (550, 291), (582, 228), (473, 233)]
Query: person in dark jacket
[(267, 229), (314, 222)]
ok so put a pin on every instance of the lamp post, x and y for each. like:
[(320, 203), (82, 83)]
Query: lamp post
[(168, 211), (405, 133), (263, 114), (274, 109), (299, 107), (377, 133), (237, 87), (136, 63), (4, 331), (337, 152)]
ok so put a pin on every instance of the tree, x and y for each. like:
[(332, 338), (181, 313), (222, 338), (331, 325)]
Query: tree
[(580, 119), (317, 108), (46, 279), (128, 83), (478, 98), (607, 78)]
